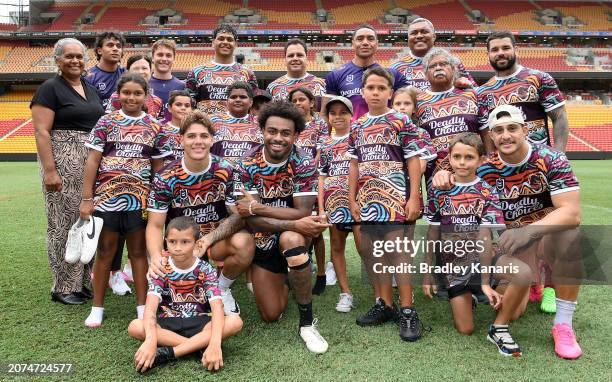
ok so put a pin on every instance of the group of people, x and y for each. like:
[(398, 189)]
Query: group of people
[(213, 178)]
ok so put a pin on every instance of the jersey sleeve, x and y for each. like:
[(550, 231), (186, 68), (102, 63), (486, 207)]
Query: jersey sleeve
[(560, 176), (191, 83), (229, 183), (252, 80), (430, 152), (208, 276), (550, 96), (463, 72), (45, 96), (160, 196), (432, 215), (331, 84), (400, 80), (409, 137), (243, 179), (351, 151), (324, 160), (157, 286), (305, 180), (492, 214), (98, 135), (483, 109), (162, 145)]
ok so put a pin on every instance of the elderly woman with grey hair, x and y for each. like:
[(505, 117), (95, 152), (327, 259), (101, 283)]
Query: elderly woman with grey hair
[(64, 110)]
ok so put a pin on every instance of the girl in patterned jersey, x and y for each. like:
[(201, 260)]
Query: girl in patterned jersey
[(309, 140), (333, 191), (126, 147)]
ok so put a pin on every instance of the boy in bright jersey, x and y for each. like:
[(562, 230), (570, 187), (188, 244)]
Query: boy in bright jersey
[(384, 180), (208, 83), (540, 197), (236, 131), (464, 216), (200, 186), (180, 104)]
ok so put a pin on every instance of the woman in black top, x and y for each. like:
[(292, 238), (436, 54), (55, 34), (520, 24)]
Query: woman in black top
[(64, 110)]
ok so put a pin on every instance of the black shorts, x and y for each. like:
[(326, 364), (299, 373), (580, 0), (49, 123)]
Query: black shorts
[(186, 327), (124, 222), (272, 260), (474, 285)]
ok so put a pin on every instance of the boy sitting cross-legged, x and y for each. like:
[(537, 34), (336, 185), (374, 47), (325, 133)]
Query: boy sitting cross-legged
[(191, 314)]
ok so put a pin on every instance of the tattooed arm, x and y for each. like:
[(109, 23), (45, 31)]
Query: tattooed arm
[(228, 226), (560, 127)]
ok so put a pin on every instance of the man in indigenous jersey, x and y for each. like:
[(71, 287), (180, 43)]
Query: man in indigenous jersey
[(296, 60), (236, 131), (208, 83), (421, 38), (445, 111), (346, 80), (384, 179), (200, 186), (540, 198), (278, 183), (180, 104), (532, 91), (104, 76), (163, 53)]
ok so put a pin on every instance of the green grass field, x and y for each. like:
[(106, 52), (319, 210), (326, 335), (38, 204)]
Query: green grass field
[(36, 330)]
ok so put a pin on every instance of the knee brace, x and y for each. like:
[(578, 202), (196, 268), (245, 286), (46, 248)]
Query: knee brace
[(296, 251)]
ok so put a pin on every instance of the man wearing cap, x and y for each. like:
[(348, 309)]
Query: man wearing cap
[(540, 198), (534, 92), (421, 38), (296, 60)]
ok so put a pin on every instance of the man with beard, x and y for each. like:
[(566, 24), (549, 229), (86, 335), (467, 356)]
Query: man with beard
[(296, 60), (347, 81), (421, 38), (540, 199), (208, 83), (278, 183), (104, 76), (534, 92)]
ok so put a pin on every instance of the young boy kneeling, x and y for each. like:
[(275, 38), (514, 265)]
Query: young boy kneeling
[(187, 296)]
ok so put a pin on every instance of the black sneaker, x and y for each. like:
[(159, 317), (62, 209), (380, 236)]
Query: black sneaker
[(163, 355), (442, 293), (378, 314), (500, 336), (411, 328)]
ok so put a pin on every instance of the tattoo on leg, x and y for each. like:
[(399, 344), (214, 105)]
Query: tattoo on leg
[(301, 285)]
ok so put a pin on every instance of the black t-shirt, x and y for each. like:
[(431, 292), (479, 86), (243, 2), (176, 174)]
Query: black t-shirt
[(72, 112)]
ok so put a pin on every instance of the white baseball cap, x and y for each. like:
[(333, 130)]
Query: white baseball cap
[(516, 115), (345, 101)]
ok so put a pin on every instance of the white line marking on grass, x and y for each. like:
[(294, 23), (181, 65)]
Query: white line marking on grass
[(597, 207)]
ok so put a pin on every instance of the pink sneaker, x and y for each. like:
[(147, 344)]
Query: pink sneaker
[(535, 293), (565, 342)]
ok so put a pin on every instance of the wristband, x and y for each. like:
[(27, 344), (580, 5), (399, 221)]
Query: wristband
[(251, 206)]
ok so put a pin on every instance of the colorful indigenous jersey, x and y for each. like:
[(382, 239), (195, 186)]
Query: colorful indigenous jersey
[(280, 87), (347, 82), (209, 83), (235, 136), (461, 212), (334, 165), (382, 144), (534, 92), (174, 140), (411, 68), (203, 195), (162, 89), (155, 105), (186, 293), (104, 82), (525, 188), (127, 145), (310, 139), (444, 115), (275, 184)]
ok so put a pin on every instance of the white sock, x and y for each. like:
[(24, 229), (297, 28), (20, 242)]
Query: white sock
[(565, 311), (95, 317), (224, 282), (140, 311)]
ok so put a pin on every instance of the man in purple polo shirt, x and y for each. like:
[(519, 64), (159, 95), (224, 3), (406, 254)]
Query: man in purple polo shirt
[(104, 76), (346, 80), (162, 81)]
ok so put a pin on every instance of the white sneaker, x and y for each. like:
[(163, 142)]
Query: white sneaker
[(74, 243), (118, 285), (91, 234), (345, 303), (249, 286), (127, 273), (330, 274), (230, 306), (314, 341)]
